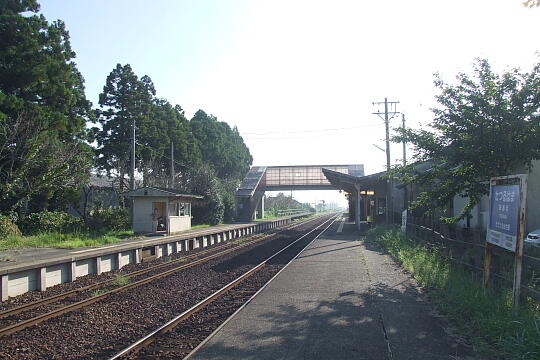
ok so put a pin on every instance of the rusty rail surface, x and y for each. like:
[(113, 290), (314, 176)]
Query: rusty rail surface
[(80, 304), (171, 324)]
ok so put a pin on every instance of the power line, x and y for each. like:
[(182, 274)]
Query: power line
[(157, 152), (310, 131)]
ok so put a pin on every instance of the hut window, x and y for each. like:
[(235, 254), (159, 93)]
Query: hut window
[(173, 209), (180, 209)]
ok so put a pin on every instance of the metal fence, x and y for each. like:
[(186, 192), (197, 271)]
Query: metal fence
[(290, 212), (465, 246)]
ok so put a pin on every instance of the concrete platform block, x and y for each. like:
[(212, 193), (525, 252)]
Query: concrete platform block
[(58, 274), (4, 288), (107, 263), (86, 267), (41, 279), (98, 265), (166, 249), (118, 260), (126, 258), (72, 271)]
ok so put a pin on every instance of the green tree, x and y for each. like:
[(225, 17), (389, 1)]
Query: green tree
[(221, 147), (203, 181), (486, 125), (124, 99), (167, 125), (43, 109), (284, 202)]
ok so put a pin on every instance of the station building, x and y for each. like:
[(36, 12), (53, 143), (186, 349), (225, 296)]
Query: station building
[(159, 210)]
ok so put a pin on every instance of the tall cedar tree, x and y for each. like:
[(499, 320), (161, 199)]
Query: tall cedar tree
[(221, 147), (126, 98), (486, 125), (43, 109)]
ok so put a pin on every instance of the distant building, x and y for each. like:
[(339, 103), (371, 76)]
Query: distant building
[(101, 192), (480, 213)]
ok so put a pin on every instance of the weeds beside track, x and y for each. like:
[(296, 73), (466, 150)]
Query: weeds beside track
[(484, 315)]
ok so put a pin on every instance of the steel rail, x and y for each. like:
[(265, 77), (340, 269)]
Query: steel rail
[(207, 339), (85, 302), (48, 300), (171, 324)]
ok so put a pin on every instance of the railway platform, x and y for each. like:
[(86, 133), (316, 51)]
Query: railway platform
[(23, 270), (340, 298)]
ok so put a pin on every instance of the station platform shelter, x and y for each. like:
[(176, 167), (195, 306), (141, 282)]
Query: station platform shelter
[(373, 199)]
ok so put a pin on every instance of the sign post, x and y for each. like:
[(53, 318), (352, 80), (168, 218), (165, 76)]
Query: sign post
[(404, 221), (506, 227)]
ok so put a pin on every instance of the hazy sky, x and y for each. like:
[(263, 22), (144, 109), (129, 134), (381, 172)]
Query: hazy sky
[(298, 78)]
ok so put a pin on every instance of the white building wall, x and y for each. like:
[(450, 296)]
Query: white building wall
[(179, 223), (480, 212), (533, 198), (142, 213)]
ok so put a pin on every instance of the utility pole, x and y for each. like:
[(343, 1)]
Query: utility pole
[(404, 142), (172, 165), (405, 190), (389, 185), (132, 179)]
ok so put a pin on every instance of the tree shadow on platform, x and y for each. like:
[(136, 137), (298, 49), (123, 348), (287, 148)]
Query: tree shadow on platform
[(347, 327), (348, 248)]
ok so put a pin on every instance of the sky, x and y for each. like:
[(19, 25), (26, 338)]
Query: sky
[(299, 78)]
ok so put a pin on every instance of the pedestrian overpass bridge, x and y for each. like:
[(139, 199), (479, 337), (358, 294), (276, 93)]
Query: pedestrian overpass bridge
[(259, 179)]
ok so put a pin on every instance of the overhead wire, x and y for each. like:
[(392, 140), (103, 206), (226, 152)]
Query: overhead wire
[(162, 155), (310, 131)]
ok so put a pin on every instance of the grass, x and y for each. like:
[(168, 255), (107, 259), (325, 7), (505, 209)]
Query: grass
[(97, 293), (121, 280), (202, 226), (485, 316), (58, 240)]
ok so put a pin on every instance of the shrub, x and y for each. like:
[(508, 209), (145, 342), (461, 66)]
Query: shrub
[(114, 219), (8, 227), (49, 221)]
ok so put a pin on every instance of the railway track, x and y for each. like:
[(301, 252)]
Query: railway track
[(167, 344), (99, 330), (60, 304)]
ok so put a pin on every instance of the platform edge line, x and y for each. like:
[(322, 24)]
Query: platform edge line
[(209, 337)]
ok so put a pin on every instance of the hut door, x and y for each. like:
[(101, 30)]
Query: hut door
[(160, 223)]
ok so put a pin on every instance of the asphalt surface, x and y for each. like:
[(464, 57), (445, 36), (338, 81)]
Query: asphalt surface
[(340, 299)]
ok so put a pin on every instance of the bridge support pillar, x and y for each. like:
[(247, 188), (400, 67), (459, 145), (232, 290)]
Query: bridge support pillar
[(246, 206), (260, 208)]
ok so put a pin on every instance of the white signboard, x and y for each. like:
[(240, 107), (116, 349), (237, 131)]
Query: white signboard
[(504, 216)]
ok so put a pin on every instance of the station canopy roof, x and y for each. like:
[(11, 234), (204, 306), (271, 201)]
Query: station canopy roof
[(350, 183)]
